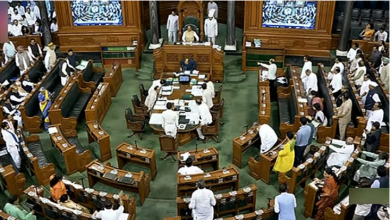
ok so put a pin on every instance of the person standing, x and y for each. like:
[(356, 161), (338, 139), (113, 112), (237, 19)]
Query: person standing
[(172, 27), (337, 64), (207, 96), (373, 138), (13, 209), (383, 180), (363, 90), (210, 86), (385, 71), (307, 65), (34, 49), (66, 70), (51, 57), (329, 194), (12, 143), (23, 60), (372, 98), (340, 155), (368, 169), (358, 75), (285, 204), (271, 76), (376, 116), (202, 202), (336, 83), (54, 26), (45, 103), (9, 50), (381, 35), (285, 160), (302, 140), (170, 120), (72, 60), (344, 113), (212, 5), (311, 82), (151, 98), (211, 27), (205, 117), (376, 57), (57, 187), (352, 52)]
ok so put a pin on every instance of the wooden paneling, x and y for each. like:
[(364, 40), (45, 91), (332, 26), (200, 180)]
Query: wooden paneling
[(166, 7), (91, 38)]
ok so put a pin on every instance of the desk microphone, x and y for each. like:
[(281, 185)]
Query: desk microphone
[(135, 143), (196, 147), (246, 128)]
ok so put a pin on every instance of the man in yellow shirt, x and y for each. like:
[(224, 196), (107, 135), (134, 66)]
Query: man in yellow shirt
[(285, 160)]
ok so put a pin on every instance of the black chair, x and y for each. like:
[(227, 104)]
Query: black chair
[(143, 92), (355, 13), (365, 13), (355, 23), (136, 123), (377, 15), (355, 31), (386, 17)]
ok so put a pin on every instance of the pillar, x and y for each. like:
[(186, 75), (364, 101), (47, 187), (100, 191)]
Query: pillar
[(45, 22), (231, 26), (154, 25), (345, 31)]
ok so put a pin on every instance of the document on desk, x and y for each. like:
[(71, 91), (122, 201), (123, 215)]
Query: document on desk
[(159, 107), (195, 72), (201, 76), (83, 65), (192, 116), (187, 72), (156, 119), (302, 100), (176, 87), (196, 91), (52, 130), (161, 102), (123, 216)]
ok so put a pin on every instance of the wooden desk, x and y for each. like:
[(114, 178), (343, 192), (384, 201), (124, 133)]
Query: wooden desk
[(96, 172), (262, 169), (140, 156), (114, 78), (89, 199), (216, 181), (97, 134), (202, 159), (73, 161), (98, 104), (173, 218), (243, 201), (251, 55), (4, 215), (168, 57), (264, 100), (240, 146), (25, 40), (12, 180)]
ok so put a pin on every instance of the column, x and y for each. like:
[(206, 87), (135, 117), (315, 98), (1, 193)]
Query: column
[(345, 31), (45, 23), (154, 25), (231, 26)]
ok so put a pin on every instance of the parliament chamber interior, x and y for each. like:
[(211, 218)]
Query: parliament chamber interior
[(147, 110)]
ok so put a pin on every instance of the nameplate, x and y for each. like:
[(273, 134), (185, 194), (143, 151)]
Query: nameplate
[(206, 151), (25, 149), (2, 170), (225, 172), (187, 178), (207, 175), (64, 145)]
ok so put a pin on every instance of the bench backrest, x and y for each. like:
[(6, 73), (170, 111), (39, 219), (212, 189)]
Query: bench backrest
[(293, 106), (11, 71), (88, 72), (324, 93), (37, 71), (70, 99)]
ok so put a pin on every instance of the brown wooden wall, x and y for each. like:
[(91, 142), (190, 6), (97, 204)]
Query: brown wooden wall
[(91, 38), (166, 7)]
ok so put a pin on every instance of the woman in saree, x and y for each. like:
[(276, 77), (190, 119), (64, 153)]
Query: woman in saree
[(329, 194), (45, 102)]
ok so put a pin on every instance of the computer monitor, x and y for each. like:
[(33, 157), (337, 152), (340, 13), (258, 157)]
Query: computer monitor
[(184, 78)]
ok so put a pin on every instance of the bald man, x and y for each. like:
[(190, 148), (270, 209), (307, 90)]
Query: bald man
[(23, 59), (340, 154)]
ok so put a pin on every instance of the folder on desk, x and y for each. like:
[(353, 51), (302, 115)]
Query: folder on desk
[(110, 176), (83, 65), (128, 180)]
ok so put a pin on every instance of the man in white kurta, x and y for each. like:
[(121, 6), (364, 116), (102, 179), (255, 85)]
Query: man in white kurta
[(16, 29), (211, 27), (365, 88), (151, 98), (172, 27), (312, 82), (340, 155), (352, 52), (20, 8), (307, 65), (355, 63), (202, 202), (155, 83), (170, 121), (189, 169), (210, 87), (376, 115), (268, 138), (338, 64), (51, 57), (336, 83), (12, 143), (189, 35), (204, 115), (207, 96), (213, 6), (30, 17), (385, 71), (358, 76)]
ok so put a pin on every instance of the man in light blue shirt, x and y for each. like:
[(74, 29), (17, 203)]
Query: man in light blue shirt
[(285, 204), (302, 140), (9, 50)]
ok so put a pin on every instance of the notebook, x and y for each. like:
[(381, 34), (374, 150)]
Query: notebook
[(83, 64)]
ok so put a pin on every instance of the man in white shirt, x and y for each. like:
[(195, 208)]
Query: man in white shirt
[(355, 62), (385, 72), (54, 26), (340, 155), (210, 86), (155, 83), (30, 17), (34, 49), (170, 120), (10, 109), (17, 16), (12, 143), (9, 50), (336, 83), (376, 115), (271, 76), (312, 82), (10, 9), (352, 52), (213, 6), (109, 213), (202, 202), (381, 35), (23, 59), (151, 98), (268, 137), (20, 8), (189, 169), (307, 65), (172, 27), (16, 29), (207, 96), (189, 35), (358, 76), (363, 90), (205, 117), (338, 64), (211, 27)]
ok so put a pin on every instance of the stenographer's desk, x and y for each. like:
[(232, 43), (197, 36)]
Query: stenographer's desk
[(242, 143), (168, 57), (202, 158), (183, 135)]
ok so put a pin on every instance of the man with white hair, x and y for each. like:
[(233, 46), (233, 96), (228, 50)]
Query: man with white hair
[(385, 71), (371, 99), (338, 64), (23, 59), (211, 27), (340, 155), (376, 116)]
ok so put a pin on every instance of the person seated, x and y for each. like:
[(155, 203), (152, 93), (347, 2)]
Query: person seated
[(383, 178), (268, 137), (187, 65), (340, 155), (25, 31), (319, 119), (315, 98), (30, 17), (285, 159), (13, 208), (189, 169), (66, 202), (368, 32), (210, 86), (16, 29), (369, 168), (54, 26), (57, 187), (189, 35), (151, 98), (381, 35), (109, 213), (38, 28)]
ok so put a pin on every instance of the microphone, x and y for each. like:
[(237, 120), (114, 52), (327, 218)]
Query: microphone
[(196, 147), (135, 143), (246, 128)]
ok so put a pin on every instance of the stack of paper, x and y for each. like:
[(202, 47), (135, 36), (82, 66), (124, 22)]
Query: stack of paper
[(196, 91), (160, 107), (195, 72), (201, 76), (156, 119), (302, 100)]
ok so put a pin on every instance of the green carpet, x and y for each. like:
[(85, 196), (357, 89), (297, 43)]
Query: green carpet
[(241, 108)]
